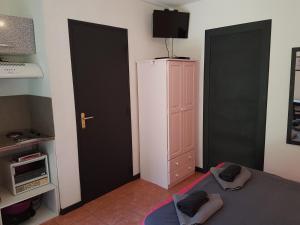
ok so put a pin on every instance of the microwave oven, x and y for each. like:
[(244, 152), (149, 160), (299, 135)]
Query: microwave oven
[(25, 175)]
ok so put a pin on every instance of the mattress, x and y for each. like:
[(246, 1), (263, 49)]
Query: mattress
[(265, 200)]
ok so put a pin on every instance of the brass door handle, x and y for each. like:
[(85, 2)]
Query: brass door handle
[(83, 120)]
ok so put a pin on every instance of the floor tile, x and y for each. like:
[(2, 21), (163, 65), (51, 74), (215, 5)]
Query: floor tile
[(72, 217), (126, 205), (90, 220), (50, 222)]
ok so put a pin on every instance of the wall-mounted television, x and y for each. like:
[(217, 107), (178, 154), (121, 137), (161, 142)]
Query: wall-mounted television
[(170, 24)]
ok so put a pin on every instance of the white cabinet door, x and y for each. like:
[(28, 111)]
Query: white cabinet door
[(182, 113), (175, 123), (188, 99)]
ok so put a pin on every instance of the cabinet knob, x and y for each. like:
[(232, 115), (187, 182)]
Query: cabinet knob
[(190, 157), (176, 175), (177, 163)]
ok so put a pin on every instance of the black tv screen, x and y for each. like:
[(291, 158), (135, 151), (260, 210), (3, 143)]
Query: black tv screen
[(170, 24)]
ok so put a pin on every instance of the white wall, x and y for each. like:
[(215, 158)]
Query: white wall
[(134, 15), (280, 158), (34, 9)]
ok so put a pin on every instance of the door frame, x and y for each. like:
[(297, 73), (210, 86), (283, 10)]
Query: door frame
[(265, 26), (71, 24)]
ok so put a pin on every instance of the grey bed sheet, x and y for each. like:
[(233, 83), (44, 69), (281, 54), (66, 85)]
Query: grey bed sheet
[(265, 200)]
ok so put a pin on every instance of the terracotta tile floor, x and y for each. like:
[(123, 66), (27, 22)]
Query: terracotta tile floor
[(126, 205)]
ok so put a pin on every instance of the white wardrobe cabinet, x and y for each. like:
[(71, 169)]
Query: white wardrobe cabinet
[(168, 110)]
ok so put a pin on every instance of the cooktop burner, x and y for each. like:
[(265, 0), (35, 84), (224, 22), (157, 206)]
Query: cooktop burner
[(14, 135), (25, 135)]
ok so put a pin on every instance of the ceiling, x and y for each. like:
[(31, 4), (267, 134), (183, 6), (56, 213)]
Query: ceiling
[(170, 3)]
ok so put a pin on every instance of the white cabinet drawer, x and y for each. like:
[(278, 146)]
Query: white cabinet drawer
[(187, 167), (182, 161)]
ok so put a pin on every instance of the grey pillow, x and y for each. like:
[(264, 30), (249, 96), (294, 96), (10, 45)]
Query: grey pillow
[(214, 204)]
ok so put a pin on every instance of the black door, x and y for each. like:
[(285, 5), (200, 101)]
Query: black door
[(101, 86), (235, 94)]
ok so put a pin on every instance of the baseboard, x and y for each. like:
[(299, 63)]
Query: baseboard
[(71, 208), (136, 177), (79, 204), (200, 170)]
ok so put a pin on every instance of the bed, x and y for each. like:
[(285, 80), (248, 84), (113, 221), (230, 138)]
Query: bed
[(265, 200)]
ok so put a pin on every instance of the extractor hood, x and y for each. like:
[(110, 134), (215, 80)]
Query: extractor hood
[(20, 70), (17, 39), (16, 36)]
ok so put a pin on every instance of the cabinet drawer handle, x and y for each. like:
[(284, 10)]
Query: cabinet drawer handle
[(5, 45)]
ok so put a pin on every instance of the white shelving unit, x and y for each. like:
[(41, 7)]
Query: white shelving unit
[(8, 199), (50, 200), (43, 214)]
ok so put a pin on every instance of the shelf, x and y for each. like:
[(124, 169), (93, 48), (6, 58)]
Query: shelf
[(8, 145), (42, 215), (8, 198)]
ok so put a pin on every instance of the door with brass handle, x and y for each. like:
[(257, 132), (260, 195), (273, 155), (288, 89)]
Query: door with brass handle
[(83, 120), (102, 106)]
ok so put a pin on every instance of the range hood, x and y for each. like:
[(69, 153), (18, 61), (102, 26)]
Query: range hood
[(20, 70), (17, 39)]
